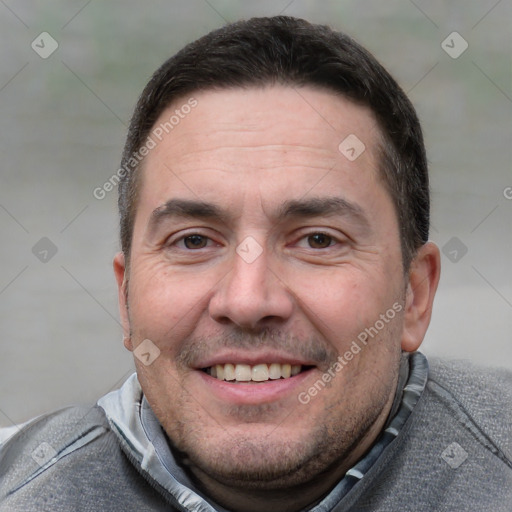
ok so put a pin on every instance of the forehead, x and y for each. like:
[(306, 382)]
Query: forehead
[(276, 140), (265, 112)]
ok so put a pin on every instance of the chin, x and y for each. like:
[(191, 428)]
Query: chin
[(254, 461)]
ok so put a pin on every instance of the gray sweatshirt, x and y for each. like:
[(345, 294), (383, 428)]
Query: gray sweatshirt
[(446, 447)]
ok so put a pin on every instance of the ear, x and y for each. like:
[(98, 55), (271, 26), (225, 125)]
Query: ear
[(424, 273), (120, 272)]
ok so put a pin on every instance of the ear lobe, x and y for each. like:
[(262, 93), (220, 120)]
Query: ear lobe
[(120, 271), (424, 276)]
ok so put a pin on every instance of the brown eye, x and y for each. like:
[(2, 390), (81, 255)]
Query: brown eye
[(195, 241), (319, 241)]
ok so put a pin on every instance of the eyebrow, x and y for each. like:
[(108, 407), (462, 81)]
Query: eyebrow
[(295, 208)]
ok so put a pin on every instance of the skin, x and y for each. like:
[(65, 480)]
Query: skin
[(305, 297)]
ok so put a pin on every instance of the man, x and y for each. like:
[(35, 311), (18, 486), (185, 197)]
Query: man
[(275, 283)]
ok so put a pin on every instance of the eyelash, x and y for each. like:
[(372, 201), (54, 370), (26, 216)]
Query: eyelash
[(333, 239)]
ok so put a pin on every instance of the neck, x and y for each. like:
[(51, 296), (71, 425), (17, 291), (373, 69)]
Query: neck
[(281, 495), (291, 499)]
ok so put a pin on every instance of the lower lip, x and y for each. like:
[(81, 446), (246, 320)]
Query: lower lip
[(254, 393)]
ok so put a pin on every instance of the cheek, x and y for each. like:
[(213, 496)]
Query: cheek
[(164, 305), (342, 302)]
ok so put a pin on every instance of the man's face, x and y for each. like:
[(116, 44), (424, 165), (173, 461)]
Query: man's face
[(258, 243)]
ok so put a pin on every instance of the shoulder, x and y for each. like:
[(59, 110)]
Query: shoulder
[(43, 442), (69, 460), (478, 397), (455, 450)]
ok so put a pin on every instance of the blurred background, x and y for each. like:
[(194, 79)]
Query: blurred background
[(70, 74)]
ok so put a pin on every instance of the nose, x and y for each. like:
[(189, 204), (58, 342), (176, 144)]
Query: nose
[(252, 295)]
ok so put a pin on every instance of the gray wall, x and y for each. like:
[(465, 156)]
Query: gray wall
[(63, 122)]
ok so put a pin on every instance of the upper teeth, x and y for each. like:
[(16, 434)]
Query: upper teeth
[(257, 373)]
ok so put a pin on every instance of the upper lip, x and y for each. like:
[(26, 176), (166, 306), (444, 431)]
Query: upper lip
[(253, 358)]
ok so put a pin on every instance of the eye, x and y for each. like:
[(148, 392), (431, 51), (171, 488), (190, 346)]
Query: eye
[(193, 241), (319, 240)]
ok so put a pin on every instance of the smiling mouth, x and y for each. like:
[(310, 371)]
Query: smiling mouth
[(254, 373)]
